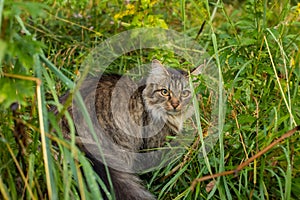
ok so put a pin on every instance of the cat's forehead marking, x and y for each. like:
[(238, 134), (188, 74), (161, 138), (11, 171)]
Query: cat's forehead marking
[(173, 79), (177, 82)]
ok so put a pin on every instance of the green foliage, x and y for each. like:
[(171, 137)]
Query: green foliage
[(255, 43), (17, 50), (140, 14)]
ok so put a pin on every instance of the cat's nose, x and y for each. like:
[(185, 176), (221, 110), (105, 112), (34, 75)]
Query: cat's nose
[(175, 103)]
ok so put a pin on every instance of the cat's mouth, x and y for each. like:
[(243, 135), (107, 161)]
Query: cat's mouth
[(173, 111)]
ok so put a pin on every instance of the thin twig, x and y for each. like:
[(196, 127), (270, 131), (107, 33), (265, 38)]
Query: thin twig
[(247, 162), (185, 159)]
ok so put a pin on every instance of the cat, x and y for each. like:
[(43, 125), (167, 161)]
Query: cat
[(133, 117)]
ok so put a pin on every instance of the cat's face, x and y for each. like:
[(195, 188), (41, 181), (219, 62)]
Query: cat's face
[(167, 92)]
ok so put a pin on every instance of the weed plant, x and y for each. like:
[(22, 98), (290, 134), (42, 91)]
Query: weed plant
[(254, 43)]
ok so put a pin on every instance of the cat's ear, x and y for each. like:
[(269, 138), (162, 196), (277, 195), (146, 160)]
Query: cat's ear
[(156, 62), (198, 70), (158, 68), (195, 72)]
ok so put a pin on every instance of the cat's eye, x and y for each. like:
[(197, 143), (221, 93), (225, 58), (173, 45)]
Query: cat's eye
[(185, 93), (164, 92)]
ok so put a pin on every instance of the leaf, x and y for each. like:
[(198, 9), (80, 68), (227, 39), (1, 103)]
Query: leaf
[(23, 48), (246, 119), (35, 9), (2, 52), (210, 186), (15, 90), (248, 41)]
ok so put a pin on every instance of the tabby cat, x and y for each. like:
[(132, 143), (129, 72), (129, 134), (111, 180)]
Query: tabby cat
[(133, 116)]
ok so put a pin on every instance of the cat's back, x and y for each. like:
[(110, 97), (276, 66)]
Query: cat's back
[(94, 85), (108, 86), (118, 106)]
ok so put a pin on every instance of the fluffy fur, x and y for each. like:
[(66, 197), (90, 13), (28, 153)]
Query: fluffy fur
[(123, 109)]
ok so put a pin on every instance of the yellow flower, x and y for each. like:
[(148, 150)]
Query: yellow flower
[(292, 62), (118, 16), (153, 2), (130, 6), (130, 10)]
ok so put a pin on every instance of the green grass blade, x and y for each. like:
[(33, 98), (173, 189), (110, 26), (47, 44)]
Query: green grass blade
[(288, 106), (43, 120), (57, 72), (1, 12), (288, 174), (82, 107), (276, 175), (168, 186), (4, 190)]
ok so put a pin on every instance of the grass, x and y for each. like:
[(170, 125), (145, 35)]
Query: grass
[(255, 48)]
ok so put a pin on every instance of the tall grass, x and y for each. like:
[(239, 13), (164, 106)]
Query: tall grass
[(255, 48)]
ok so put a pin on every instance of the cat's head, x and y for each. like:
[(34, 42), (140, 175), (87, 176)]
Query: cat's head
[(167, 94)]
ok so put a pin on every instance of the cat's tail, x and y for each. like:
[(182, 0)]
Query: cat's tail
[(126, 186)]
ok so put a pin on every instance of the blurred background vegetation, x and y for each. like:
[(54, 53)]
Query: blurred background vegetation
[(255, 43)]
